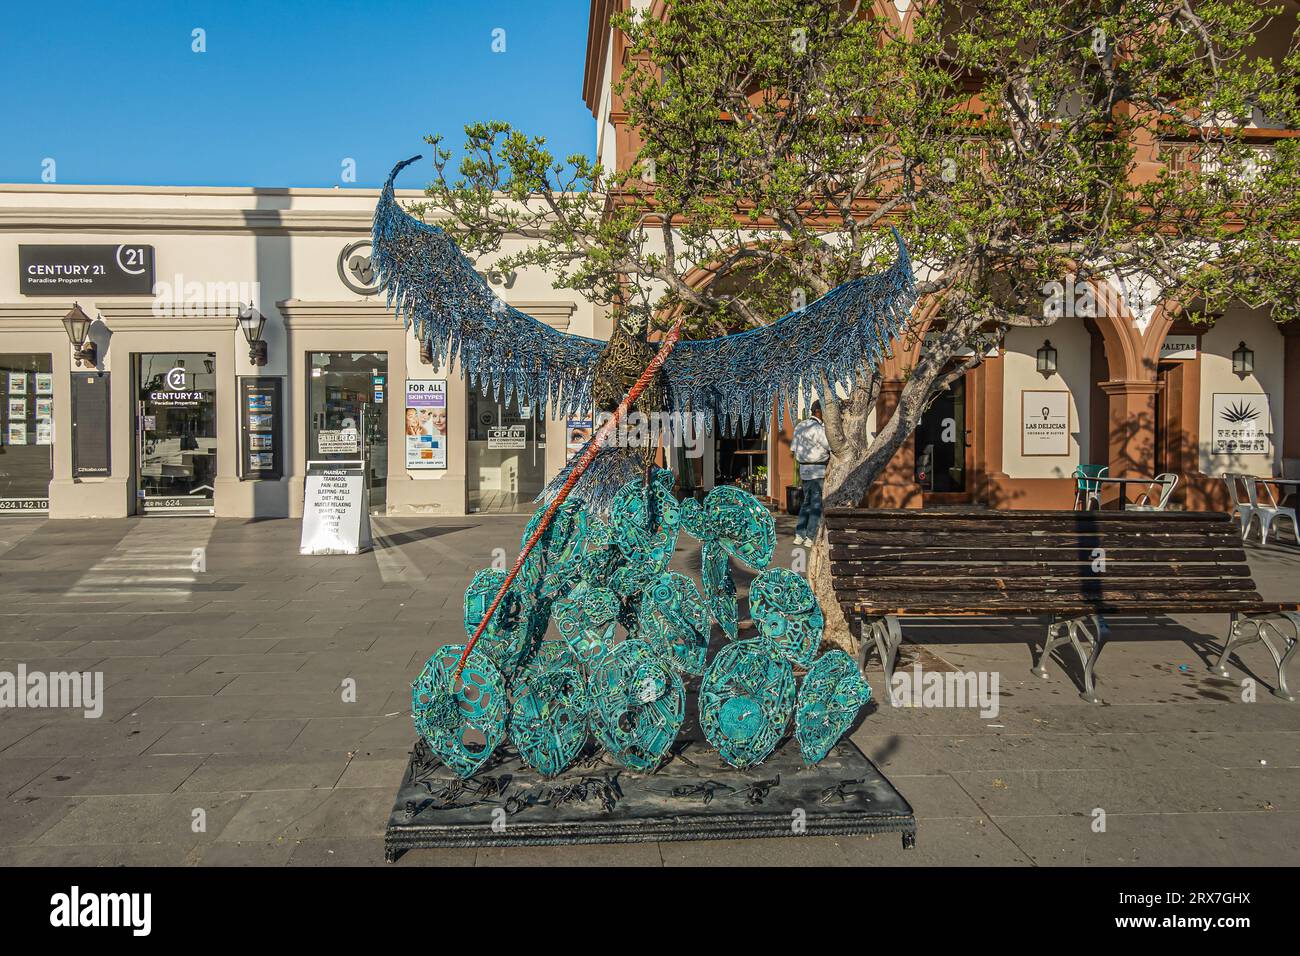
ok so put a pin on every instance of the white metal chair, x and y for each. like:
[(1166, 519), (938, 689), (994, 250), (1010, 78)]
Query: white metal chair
[(1270, 512), (1165, 483), (1241, 510)]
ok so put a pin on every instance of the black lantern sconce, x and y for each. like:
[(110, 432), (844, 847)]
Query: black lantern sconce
[(77, 324), (252, 322), (1243, 360), (1046, 359)]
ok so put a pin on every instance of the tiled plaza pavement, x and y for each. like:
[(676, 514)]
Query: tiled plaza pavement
[(224, 706)]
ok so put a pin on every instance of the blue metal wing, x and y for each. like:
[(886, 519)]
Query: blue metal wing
[(504, 352), (739, 377)]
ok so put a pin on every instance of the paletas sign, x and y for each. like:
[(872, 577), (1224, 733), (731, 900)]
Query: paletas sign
[(125, 269)]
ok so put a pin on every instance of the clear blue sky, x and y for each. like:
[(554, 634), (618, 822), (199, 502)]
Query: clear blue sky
[(286, 90)]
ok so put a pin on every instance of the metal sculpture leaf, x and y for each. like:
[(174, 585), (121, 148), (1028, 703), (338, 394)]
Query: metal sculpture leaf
[(674, 620), (465, 724), (719, 587), (507, 636), (548, 715), (833, 693), (738, 523), (587, 620), (786, 612), (745, 701), (638, 705)]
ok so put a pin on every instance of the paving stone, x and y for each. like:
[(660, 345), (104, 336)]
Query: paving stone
[(112, 776), (80, 737), (308, 814), (143, 818), (297, 770), (1160, 839), (227, 736)]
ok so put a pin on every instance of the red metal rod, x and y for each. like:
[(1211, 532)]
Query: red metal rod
[(597, 443)]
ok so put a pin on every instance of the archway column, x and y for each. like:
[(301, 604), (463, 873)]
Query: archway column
[(1131, 425)]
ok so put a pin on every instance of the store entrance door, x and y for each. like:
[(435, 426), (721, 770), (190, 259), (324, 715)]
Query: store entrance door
[(507, 456), (176, 432), (347, 417), (941, 443)]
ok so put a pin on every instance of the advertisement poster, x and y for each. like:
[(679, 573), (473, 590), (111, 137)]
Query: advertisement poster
[(17, 383), (17, 408), (1243, 424), (45, 408), (45, 431), (1045, 423), (426, 423), (578, 433), (44, 383), (18, 433)]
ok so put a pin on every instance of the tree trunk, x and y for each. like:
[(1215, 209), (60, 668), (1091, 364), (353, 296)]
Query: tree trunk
[(853, 467)]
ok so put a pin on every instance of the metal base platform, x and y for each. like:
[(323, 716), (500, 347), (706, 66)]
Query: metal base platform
[(694, 796)]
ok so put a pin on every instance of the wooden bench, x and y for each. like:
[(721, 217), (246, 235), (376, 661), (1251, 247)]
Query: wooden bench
[(1075, 566)]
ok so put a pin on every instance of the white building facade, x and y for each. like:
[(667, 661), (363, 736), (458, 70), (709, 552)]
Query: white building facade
[(174, 417)]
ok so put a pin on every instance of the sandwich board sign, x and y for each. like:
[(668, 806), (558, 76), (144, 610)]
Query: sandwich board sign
[(335, 519)]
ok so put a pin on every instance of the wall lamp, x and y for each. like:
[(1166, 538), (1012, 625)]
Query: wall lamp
[(252, 322), (1243, 360), (1046, 359), (77, 324)]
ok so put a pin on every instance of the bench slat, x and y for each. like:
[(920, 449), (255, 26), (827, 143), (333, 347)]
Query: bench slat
[(875, 570), (901, 553), (857, 610), (1028, 598), (840, 517), (992, 538), (955, 587)]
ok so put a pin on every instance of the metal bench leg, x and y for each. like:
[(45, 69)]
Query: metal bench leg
[(1084, 634), (887, 635), (1270, 630)]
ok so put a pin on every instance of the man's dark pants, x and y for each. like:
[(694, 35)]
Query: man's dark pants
[(810, 513)]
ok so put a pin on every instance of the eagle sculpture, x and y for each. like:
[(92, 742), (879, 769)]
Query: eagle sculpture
[(596, 558)]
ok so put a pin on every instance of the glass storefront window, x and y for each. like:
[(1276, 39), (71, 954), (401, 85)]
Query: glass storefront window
[(506, 456), (26, 431), (176, 432), (347, 420)]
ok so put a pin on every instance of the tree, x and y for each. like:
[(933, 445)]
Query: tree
[(1017, 145)]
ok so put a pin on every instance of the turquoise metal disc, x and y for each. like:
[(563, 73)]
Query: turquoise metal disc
[(638, 705), (833, 693), (674, 620), (465, 724), (745, 701), (548, 714), (786, 612)]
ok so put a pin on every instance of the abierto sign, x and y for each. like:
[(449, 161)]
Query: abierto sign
[(1045, 423), (123, 269)]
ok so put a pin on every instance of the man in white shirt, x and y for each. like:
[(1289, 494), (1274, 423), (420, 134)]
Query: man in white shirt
[(811, 450)]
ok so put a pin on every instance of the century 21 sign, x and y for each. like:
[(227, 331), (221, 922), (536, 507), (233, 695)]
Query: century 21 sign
[(125, 269)]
